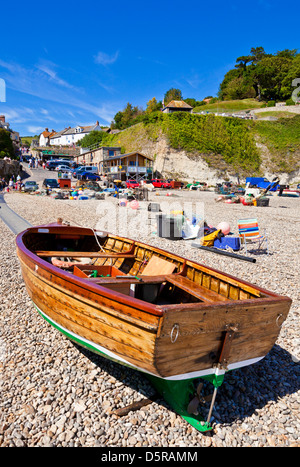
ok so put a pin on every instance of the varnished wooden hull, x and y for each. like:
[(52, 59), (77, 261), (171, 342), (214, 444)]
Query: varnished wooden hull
[(174, 341)]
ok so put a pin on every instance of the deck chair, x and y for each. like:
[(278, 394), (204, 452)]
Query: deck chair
[(249, 233)]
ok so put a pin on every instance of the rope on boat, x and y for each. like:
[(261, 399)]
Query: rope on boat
[(93, 230)]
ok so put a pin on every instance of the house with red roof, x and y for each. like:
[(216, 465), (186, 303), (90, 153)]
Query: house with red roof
[(44, 139)]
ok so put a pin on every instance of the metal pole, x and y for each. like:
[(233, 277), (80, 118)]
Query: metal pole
[(212, 405)]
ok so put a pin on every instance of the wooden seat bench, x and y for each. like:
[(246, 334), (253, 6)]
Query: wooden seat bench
[(182, 282), (195, 289)]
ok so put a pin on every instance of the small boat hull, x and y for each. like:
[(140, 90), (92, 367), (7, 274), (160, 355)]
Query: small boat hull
[(171, 318), (179, 339)]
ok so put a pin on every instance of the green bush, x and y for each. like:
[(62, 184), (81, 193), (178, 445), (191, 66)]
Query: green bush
[(282, 137), (231, 138), (6, 145), (290, 102), (271, 104), (200, 103)]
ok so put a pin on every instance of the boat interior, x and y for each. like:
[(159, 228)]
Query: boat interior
[(135, 269)]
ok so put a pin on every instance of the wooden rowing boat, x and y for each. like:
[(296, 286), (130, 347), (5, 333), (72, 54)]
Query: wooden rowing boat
[(169, 317)]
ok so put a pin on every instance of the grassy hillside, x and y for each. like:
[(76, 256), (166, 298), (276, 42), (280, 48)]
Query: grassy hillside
[(215, 139), (222, 142), (230, 106), (275, 113), (28, 139), (282, 138)]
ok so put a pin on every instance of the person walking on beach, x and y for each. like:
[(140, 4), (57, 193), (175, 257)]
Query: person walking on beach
[(2, 184)]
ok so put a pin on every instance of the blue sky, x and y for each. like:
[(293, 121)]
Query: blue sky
[(69, 63)]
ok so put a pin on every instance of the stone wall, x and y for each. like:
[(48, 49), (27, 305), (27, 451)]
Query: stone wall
[(9, 168)]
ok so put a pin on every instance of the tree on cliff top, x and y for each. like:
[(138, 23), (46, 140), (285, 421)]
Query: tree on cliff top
[(262, 75), (172, 95), (6, 145)]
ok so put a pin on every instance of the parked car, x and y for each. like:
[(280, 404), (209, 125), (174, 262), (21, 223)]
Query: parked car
[(62, 168), (74, 165), (132, 184), (51, 165), (85, 168), (159, 183), (30, 186), (88, 176), (51, 183)]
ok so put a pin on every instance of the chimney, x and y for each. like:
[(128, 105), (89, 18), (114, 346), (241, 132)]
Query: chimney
[(46, 129), (2, 118), (97, 123)]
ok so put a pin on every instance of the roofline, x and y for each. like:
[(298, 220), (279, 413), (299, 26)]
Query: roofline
[(121, 156), (69, 130)]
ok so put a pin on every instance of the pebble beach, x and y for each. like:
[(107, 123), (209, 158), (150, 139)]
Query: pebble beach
[(54, 393)]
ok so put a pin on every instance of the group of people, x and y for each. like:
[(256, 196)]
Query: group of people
[(14, 183), (33, 163)]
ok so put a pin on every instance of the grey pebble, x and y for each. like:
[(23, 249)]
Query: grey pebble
[(54, 394)]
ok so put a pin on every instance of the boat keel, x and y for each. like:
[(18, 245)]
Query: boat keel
[(184, 397)]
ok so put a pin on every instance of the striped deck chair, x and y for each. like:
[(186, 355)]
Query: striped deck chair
[(249, 233)]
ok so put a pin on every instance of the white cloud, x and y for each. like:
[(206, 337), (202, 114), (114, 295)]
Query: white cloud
[(104, 59), (35, 129), (194, 81), (109, 89), (44, 83), (46, 68)]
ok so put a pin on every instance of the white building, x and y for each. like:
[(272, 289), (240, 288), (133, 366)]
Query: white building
[(45, 136), (55, 139), (70, 136)]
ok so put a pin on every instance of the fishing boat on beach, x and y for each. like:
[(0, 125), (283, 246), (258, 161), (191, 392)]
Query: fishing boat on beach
[(169, 317)]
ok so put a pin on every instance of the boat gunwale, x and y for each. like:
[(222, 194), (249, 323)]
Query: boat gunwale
[(154, 309)]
